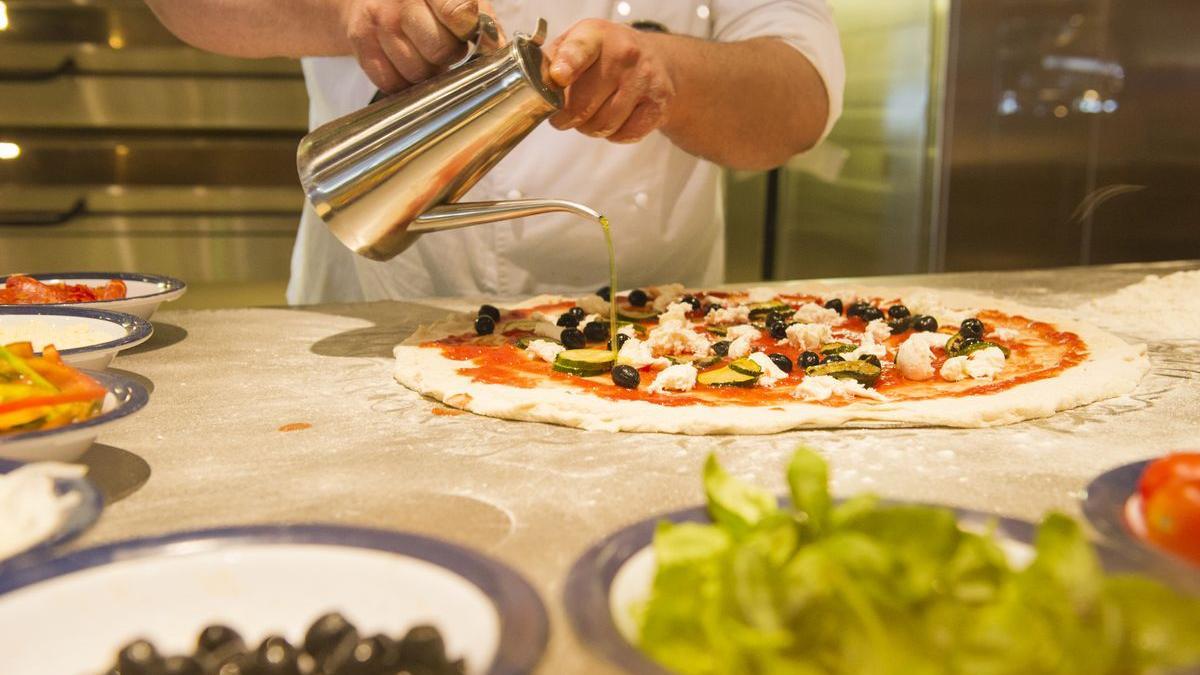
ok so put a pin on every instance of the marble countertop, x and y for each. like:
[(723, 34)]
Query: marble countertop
[(209, 449)]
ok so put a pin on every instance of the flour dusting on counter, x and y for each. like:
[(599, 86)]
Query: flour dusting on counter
[(33, 510), (1166, 308)]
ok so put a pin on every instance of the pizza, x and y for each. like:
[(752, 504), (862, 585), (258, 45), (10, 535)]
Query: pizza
[(767, 360)]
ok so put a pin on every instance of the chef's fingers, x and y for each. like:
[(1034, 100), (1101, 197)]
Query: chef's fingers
[(585, 97), (611, 115), (574, 52), (459, 16), (435, 43), (404, 56), (646, 117), (363, 33)]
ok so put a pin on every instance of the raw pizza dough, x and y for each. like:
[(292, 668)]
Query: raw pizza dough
[(1113, 368)]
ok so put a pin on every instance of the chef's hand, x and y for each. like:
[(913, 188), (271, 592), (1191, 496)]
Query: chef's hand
[(617, 82), (401, 42)]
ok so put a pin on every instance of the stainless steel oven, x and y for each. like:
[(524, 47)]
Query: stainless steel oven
[(122, 148)]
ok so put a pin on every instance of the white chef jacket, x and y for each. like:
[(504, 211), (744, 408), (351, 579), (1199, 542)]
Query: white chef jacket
[(664, 204)]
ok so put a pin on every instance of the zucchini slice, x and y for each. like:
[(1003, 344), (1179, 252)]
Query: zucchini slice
[(585, 362), (983, 344), (707, 361), (955, 347), (517, 324), (717, 330), (637, 327), (837, 348), (765, 309), (635, 316), (746, 367), (523, 341), (726, 377), (865, 372)]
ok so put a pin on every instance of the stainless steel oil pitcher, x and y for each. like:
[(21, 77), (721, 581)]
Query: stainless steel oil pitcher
[(383, 175)]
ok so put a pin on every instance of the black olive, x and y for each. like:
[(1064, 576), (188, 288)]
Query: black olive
[(327, 634), (572, 338), (833, 358), (871, 314), (834, 304), (626, 376), (871, 359), (924, 324), (577, 312), (693, 301), (489, 310), (484, 325), (139, 658), (898, 326), (721, 348), (808, 359), (638, 297), (782, 361), (218, 642), (240, 664), (857, 308), (967, 342), (596, 331), (603, 292), (777, 329), (709, 308), (621, 340), (568, 320), (971, 328), (182, 665), (423, 645), (276, 656), (898, 312)]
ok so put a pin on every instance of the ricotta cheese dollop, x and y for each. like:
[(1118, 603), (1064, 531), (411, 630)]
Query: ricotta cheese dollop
[(665, 295), (771, 373), (544, 350), (740, 347), (811, 312), (593, 304), (808, 336), (915, 356), (638, 354), (824, 387), (982, 364), (728, 315), (679, 377)]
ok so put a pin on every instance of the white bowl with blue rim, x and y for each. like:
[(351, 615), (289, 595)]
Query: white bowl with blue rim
[(617, 573), (70, 615), (143, 292), (125, 396), (85, 338), (83, 515)]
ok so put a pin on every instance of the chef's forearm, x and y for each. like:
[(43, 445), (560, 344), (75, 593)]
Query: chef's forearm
[(257, 28), (745, 105)]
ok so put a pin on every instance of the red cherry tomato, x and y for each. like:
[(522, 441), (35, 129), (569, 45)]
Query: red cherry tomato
[(1179, 466), (1173, 518)]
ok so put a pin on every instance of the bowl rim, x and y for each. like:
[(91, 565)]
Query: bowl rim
[(137, 330), (169, 286), (131, 397), (524, 623)]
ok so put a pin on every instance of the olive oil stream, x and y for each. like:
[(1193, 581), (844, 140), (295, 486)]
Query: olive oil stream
[(612, 288)]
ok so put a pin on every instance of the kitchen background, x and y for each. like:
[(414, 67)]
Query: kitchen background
[(978, 134)]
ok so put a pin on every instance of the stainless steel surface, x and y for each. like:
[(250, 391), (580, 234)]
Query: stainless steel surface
[(208, 451), (136, 151), (1002, 134), (370, 174), (1071, 137)]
